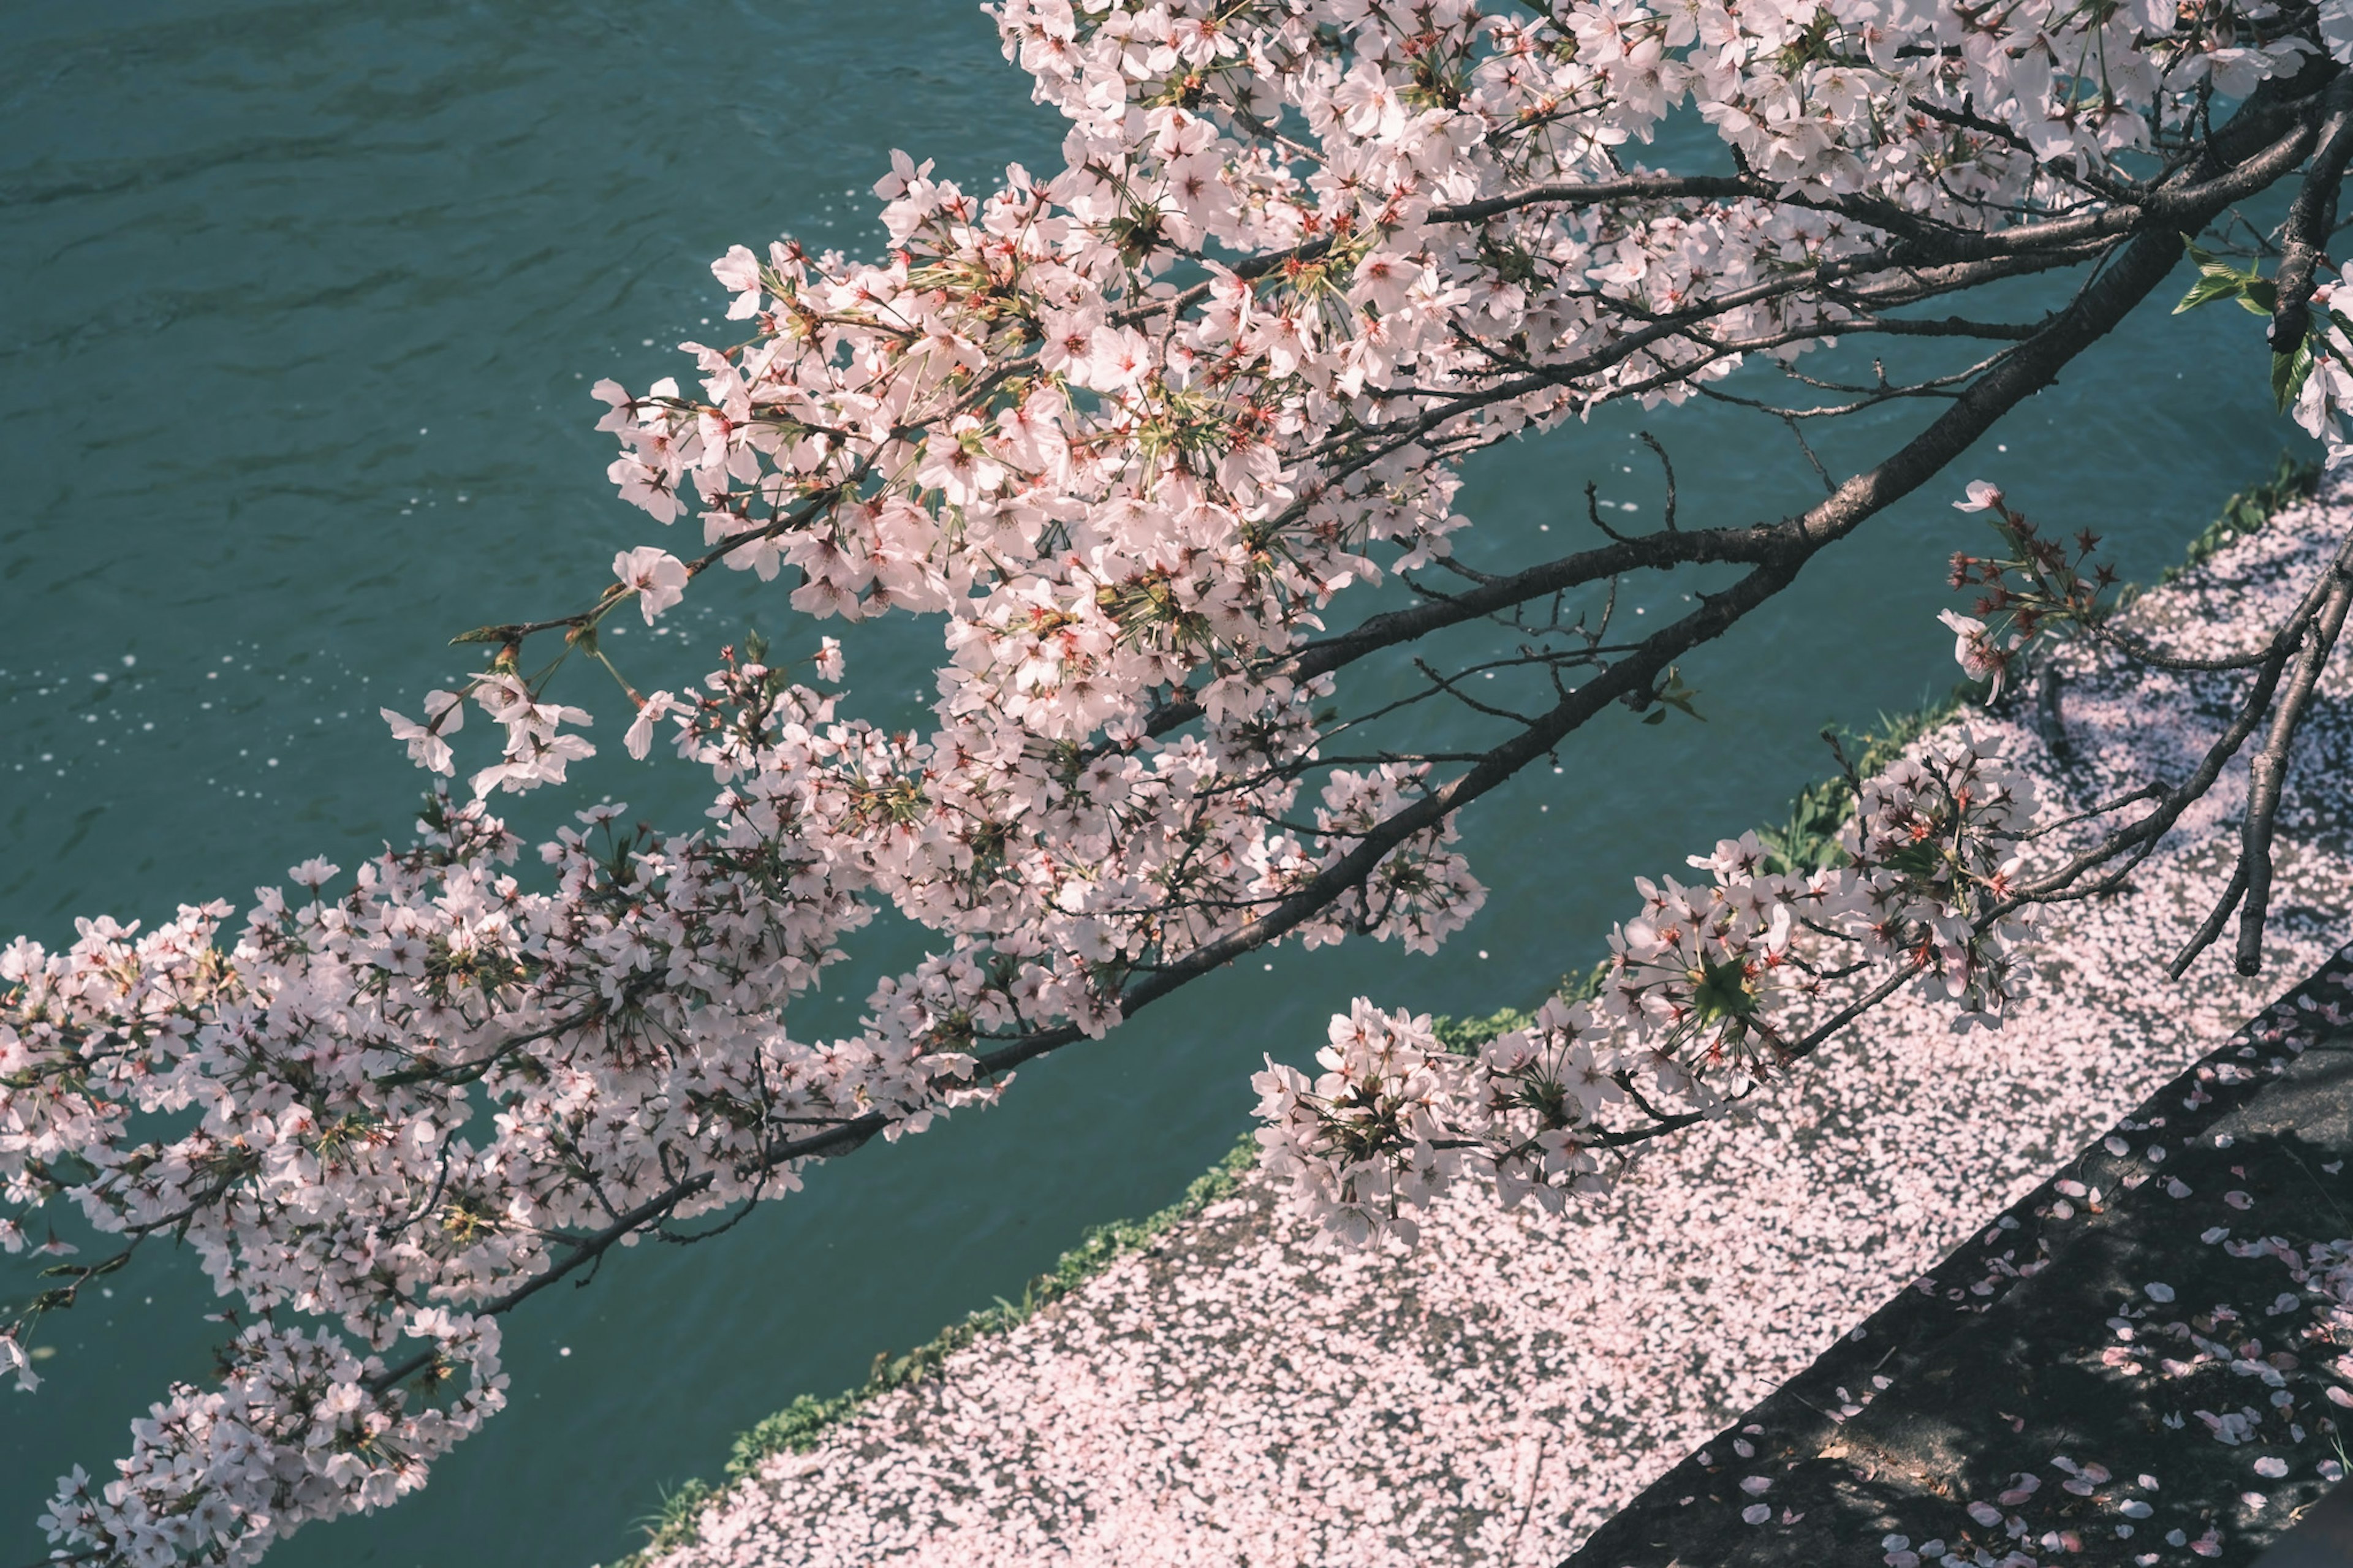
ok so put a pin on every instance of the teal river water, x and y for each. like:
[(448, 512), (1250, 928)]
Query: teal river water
[(299, 303)]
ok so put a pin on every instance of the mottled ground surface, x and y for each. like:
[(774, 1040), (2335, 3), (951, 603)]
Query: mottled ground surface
[(1245, 1394)]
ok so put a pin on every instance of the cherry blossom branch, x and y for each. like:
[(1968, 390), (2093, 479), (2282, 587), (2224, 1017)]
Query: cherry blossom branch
[(1127, 504)]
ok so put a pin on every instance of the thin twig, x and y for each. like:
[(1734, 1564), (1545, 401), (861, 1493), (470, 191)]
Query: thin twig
[(1653, 442), (2269, 773), (2214, 923)]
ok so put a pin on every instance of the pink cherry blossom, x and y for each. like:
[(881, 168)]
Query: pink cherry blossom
[(656, 577), (1134, 433)]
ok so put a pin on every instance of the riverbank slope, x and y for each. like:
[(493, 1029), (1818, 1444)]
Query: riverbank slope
[(1241, 1392)]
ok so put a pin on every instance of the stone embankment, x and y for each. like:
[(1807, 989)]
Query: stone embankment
[(1244, 1394)]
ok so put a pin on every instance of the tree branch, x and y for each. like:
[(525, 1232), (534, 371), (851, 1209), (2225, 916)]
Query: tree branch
[(2309, 223)]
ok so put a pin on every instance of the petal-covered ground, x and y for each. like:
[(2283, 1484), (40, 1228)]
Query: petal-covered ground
[(1247, 1394), (2139, 1362)]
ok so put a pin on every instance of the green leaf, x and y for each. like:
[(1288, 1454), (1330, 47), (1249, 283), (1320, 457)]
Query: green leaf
[(2210, 287), (2289, 373), (1919, 860), (1675, 694), (2218, 280), (1722, 992)]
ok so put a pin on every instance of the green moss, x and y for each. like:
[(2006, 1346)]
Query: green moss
[(1806, 840), (2291, 482), (671, 1526), (1464, 1035)]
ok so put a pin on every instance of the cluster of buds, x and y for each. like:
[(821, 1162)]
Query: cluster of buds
[(2037, 586)]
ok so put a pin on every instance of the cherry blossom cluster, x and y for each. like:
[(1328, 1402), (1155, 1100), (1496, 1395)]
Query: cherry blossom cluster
[(2317, 380), (1126, 432), (294, 1431), (1710, 992)]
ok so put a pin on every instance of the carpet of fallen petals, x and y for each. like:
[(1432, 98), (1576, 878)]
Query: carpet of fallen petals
[(1248, 1394)]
